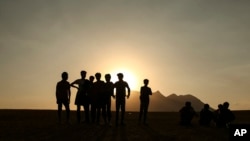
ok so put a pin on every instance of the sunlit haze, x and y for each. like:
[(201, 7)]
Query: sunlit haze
[(183, 47)]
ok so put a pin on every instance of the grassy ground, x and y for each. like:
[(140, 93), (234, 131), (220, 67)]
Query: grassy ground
[(42, 125)]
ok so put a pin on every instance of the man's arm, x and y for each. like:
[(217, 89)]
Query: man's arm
[(114, 86), (57, 90), (73, 84), (150, 91), (128, 91), (69, 92)]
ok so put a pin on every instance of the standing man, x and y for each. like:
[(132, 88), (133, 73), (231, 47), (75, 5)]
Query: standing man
[(98, 100), (82, 98), (108, 92), (63, 96), (144, 98), (120, 87)]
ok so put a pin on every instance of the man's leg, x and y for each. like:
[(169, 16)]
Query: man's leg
[(141, 111), (59, 112), (122, 111), (86, 112), (109, 110), (117, 112), (78, 113), (66, 105), (93, 113), (104, 112), (145, 112)]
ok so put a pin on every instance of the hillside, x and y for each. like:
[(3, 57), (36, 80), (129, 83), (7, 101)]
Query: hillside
[(160, 103)]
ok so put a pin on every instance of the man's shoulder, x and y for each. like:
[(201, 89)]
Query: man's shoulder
[(63, 82), (87, 81), (121, 82), (77, 81), (109, 83)]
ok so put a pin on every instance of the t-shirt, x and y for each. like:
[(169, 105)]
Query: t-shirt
[(145, 92), (62, 90), (121, 88)]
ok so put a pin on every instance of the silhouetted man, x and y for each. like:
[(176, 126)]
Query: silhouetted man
[(227, 115), (186, 114), (218, 116), (144, 98), (120, 87), (91, 97), (63, 96), (82, 98), (91, 79), (108, 92), (98, 99), (206, 116)]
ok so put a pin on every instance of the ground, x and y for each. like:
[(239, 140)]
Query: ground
[(162, 126)]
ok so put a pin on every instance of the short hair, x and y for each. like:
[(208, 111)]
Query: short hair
[(64, 75), (206, 106), (98, 74), (83, 72), (145, 81), (107, 76), (91, 78), (226, 104), (188, 103), (120, 75)]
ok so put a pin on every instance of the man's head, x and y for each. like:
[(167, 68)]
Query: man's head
[(83, 74), (108, 77), (145, 81), (120, 76), (91, 78), (98, 76), (65, 76)]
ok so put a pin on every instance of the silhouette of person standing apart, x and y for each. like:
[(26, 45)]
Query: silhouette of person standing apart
[(120, 87), (108, 92), (63, 96), (206, 116), (144, 98), (186, 114), (82, 98), (98, 99)]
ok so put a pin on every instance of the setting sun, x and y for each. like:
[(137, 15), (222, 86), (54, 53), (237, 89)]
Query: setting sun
[(129, 77)]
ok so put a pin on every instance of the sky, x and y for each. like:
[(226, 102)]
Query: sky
[(193, 47)]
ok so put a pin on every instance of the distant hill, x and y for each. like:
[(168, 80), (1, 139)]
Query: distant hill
[(160, 103)]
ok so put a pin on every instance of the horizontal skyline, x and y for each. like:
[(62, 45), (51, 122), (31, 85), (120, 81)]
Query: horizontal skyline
[(183, 47)]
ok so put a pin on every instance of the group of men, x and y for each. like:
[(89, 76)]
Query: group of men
[(95, 97), (222, 117)]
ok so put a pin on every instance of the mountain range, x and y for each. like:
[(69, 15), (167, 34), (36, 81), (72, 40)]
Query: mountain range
[(161, 103)]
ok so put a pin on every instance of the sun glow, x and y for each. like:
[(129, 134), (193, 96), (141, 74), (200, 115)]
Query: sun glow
[(129, 77)]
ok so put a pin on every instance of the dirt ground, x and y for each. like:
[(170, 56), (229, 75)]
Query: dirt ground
[(42, 125)]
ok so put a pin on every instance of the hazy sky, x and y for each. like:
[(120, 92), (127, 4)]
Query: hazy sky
[(198, 47)]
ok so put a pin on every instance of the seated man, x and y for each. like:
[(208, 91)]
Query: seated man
[(186, 114)]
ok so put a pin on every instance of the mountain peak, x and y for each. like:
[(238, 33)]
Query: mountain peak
[(159, 102)]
